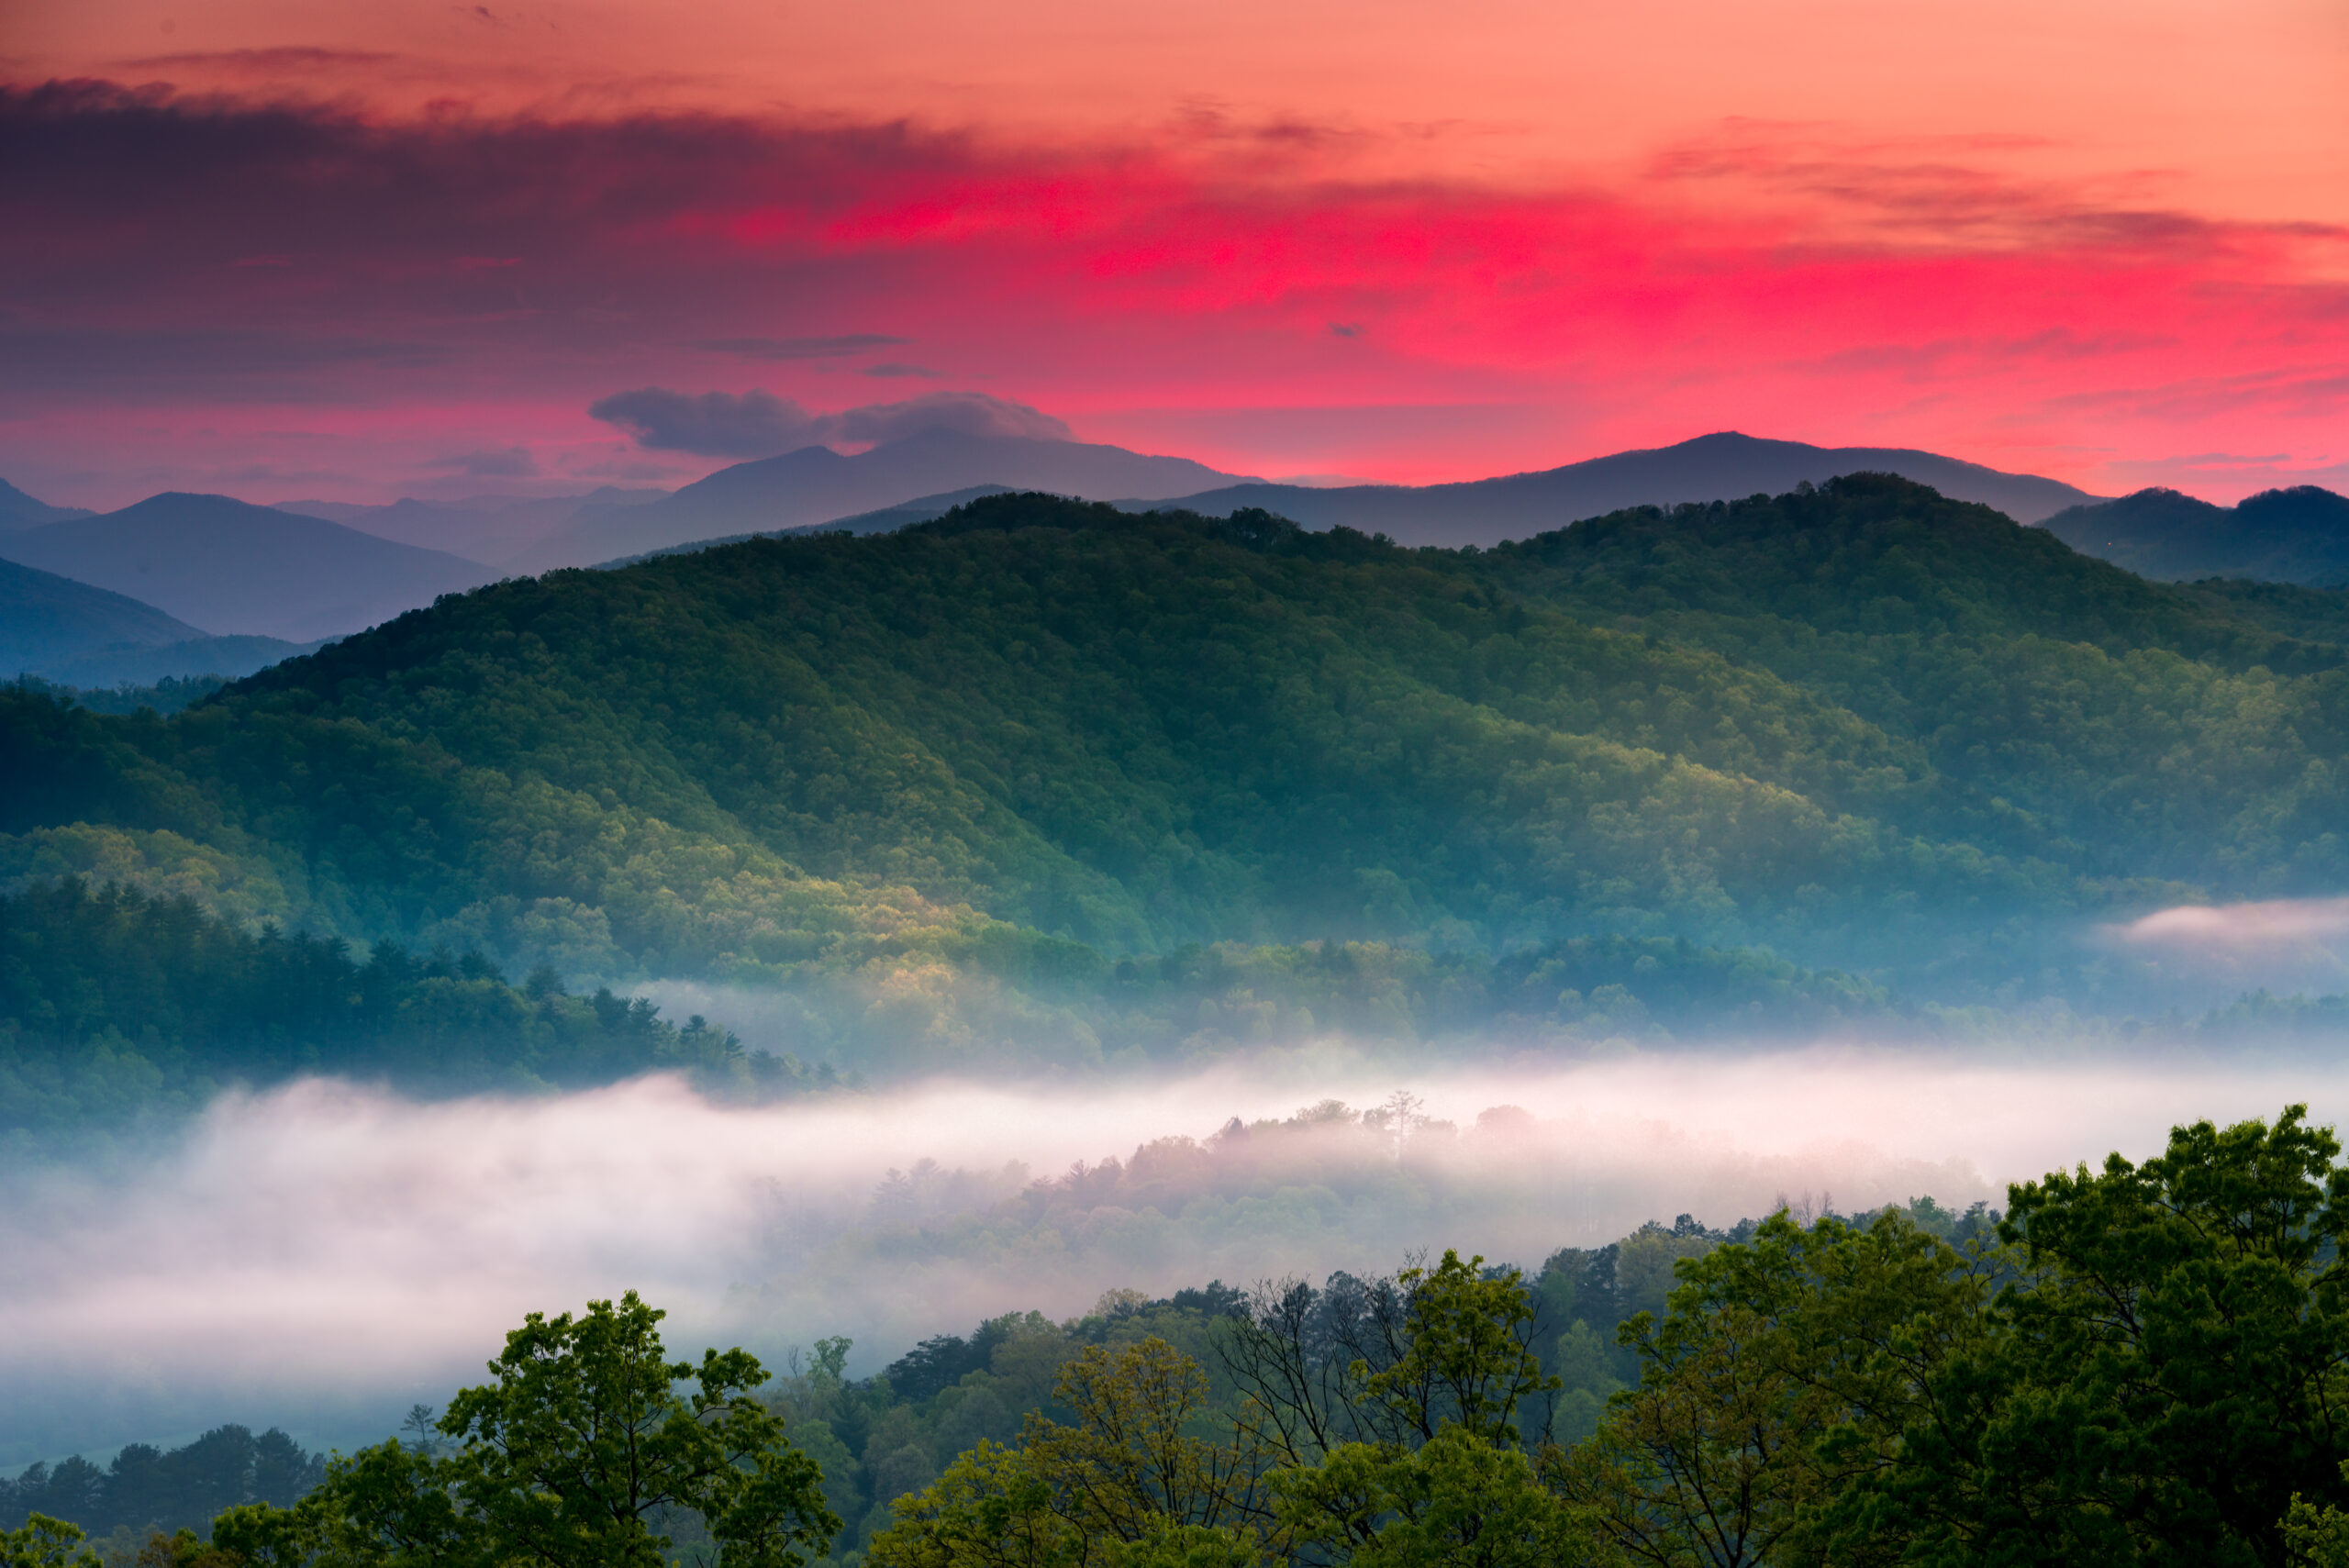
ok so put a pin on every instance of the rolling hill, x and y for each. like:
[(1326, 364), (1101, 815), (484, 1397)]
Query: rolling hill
[(2300, 535), (1866, 726), (242, 570), (1720, 467), (46, 621)]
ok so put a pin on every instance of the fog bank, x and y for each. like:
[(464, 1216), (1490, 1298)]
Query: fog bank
[(323, 1255)]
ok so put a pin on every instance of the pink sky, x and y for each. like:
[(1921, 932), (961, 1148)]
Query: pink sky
[(371, 249)]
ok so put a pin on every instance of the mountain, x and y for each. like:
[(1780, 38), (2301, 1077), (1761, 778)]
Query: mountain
[(884, 520), (815, 484), (127, 664), (2300, 535), (45, 619), (1709, 468), (486, 529), (244, 570), (18, 510), (1865, 726)]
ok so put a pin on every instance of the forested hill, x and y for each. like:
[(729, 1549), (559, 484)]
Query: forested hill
[(1865, 726)]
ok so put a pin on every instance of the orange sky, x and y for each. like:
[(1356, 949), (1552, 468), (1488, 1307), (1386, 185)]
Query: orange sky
[(2104, 241)]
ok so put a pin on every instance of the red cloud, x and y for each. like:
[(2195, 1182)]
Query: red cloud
[(1886, 294)]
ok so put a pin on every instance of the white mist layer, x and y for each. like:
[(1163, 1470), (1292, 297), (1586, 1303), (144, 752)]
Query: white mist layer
[(2283, 944), (328, 1239)]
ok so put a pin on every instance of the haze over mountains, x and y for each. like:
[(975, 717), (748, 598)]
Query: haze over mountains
[(815, 484), (236, 569), (285, 576), (1717, 467), (2300, 535)]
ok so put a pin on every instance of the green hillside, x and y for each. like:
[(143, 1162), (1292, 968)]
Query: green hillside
[(1866, 727)]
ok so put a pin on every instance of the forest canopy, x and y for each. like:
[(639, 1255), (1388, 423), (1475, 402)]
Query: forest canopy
[(1037, 767)]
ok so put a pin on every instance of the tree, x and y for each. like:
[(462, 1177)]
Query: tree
[(45, 1542), (1128, 1483), (2180, 1359), (1786, 1375), (580, 1453)]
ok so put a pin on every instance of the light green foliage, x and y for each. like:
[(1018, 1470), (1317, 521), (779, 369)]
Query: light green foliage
[(44, 1542), (1457, 1501), (580, 1453), (2317, 1537), (1783, 1371), (1127, 1481), (1468, 1359)]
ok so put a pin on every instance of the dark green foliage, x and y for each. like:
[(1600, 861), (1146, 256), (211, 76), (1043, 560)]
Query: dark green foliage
[(2300, 535), (112, 1001), (169, 695), (146, 1488), (2312, 614)]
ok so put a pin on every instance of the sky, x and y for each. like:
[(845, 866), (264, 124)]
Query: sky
[(379, 248)]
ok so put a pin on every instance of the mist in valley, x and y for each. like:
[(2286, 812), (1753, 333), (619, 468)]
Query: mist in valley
[(323, 1255)]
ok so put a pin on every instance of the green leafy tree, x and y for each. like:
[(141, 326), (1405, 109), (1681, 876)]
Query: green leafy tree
[(579, 1453), (44, 1542), (2178, 1365), (1132, 1479)]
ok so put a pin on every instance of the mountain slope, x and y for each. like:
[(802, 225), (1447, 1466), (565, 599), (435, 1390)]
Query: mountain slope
[(1710, 468), (487, 528), (2300, 535), (45, 619), (1866, 726), (244, 570), (122, 663), (815, 484), (18, 510)]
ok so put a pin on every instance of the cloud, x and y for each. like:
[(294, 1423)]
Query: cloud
[(715, 424), (2283, 944), (922, 372), (509, 462), (965, 413), (760, 424), (801, 347), (2241, 925), (1153, 275)]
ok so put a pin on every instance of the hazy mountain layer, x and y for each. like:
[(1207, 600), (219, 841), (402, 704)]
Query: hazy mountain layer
[(18, 510), (1710, 468), (486, 528), (240, 570), (45, 619), (1869, 727), (815, 484), (2300, 535), (119, 663)]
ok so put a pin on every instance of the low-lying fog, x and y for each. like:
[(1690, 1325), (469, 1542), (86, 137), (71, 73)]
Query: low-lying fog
[(322, 1256)]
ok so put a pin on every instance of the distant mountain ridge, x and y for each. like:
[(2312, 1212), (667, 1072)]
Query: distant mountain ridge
[(242, 570), (45, 619), (18, 510), (1720, 467), (484, 528), (2300, 535), (817, 484)]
